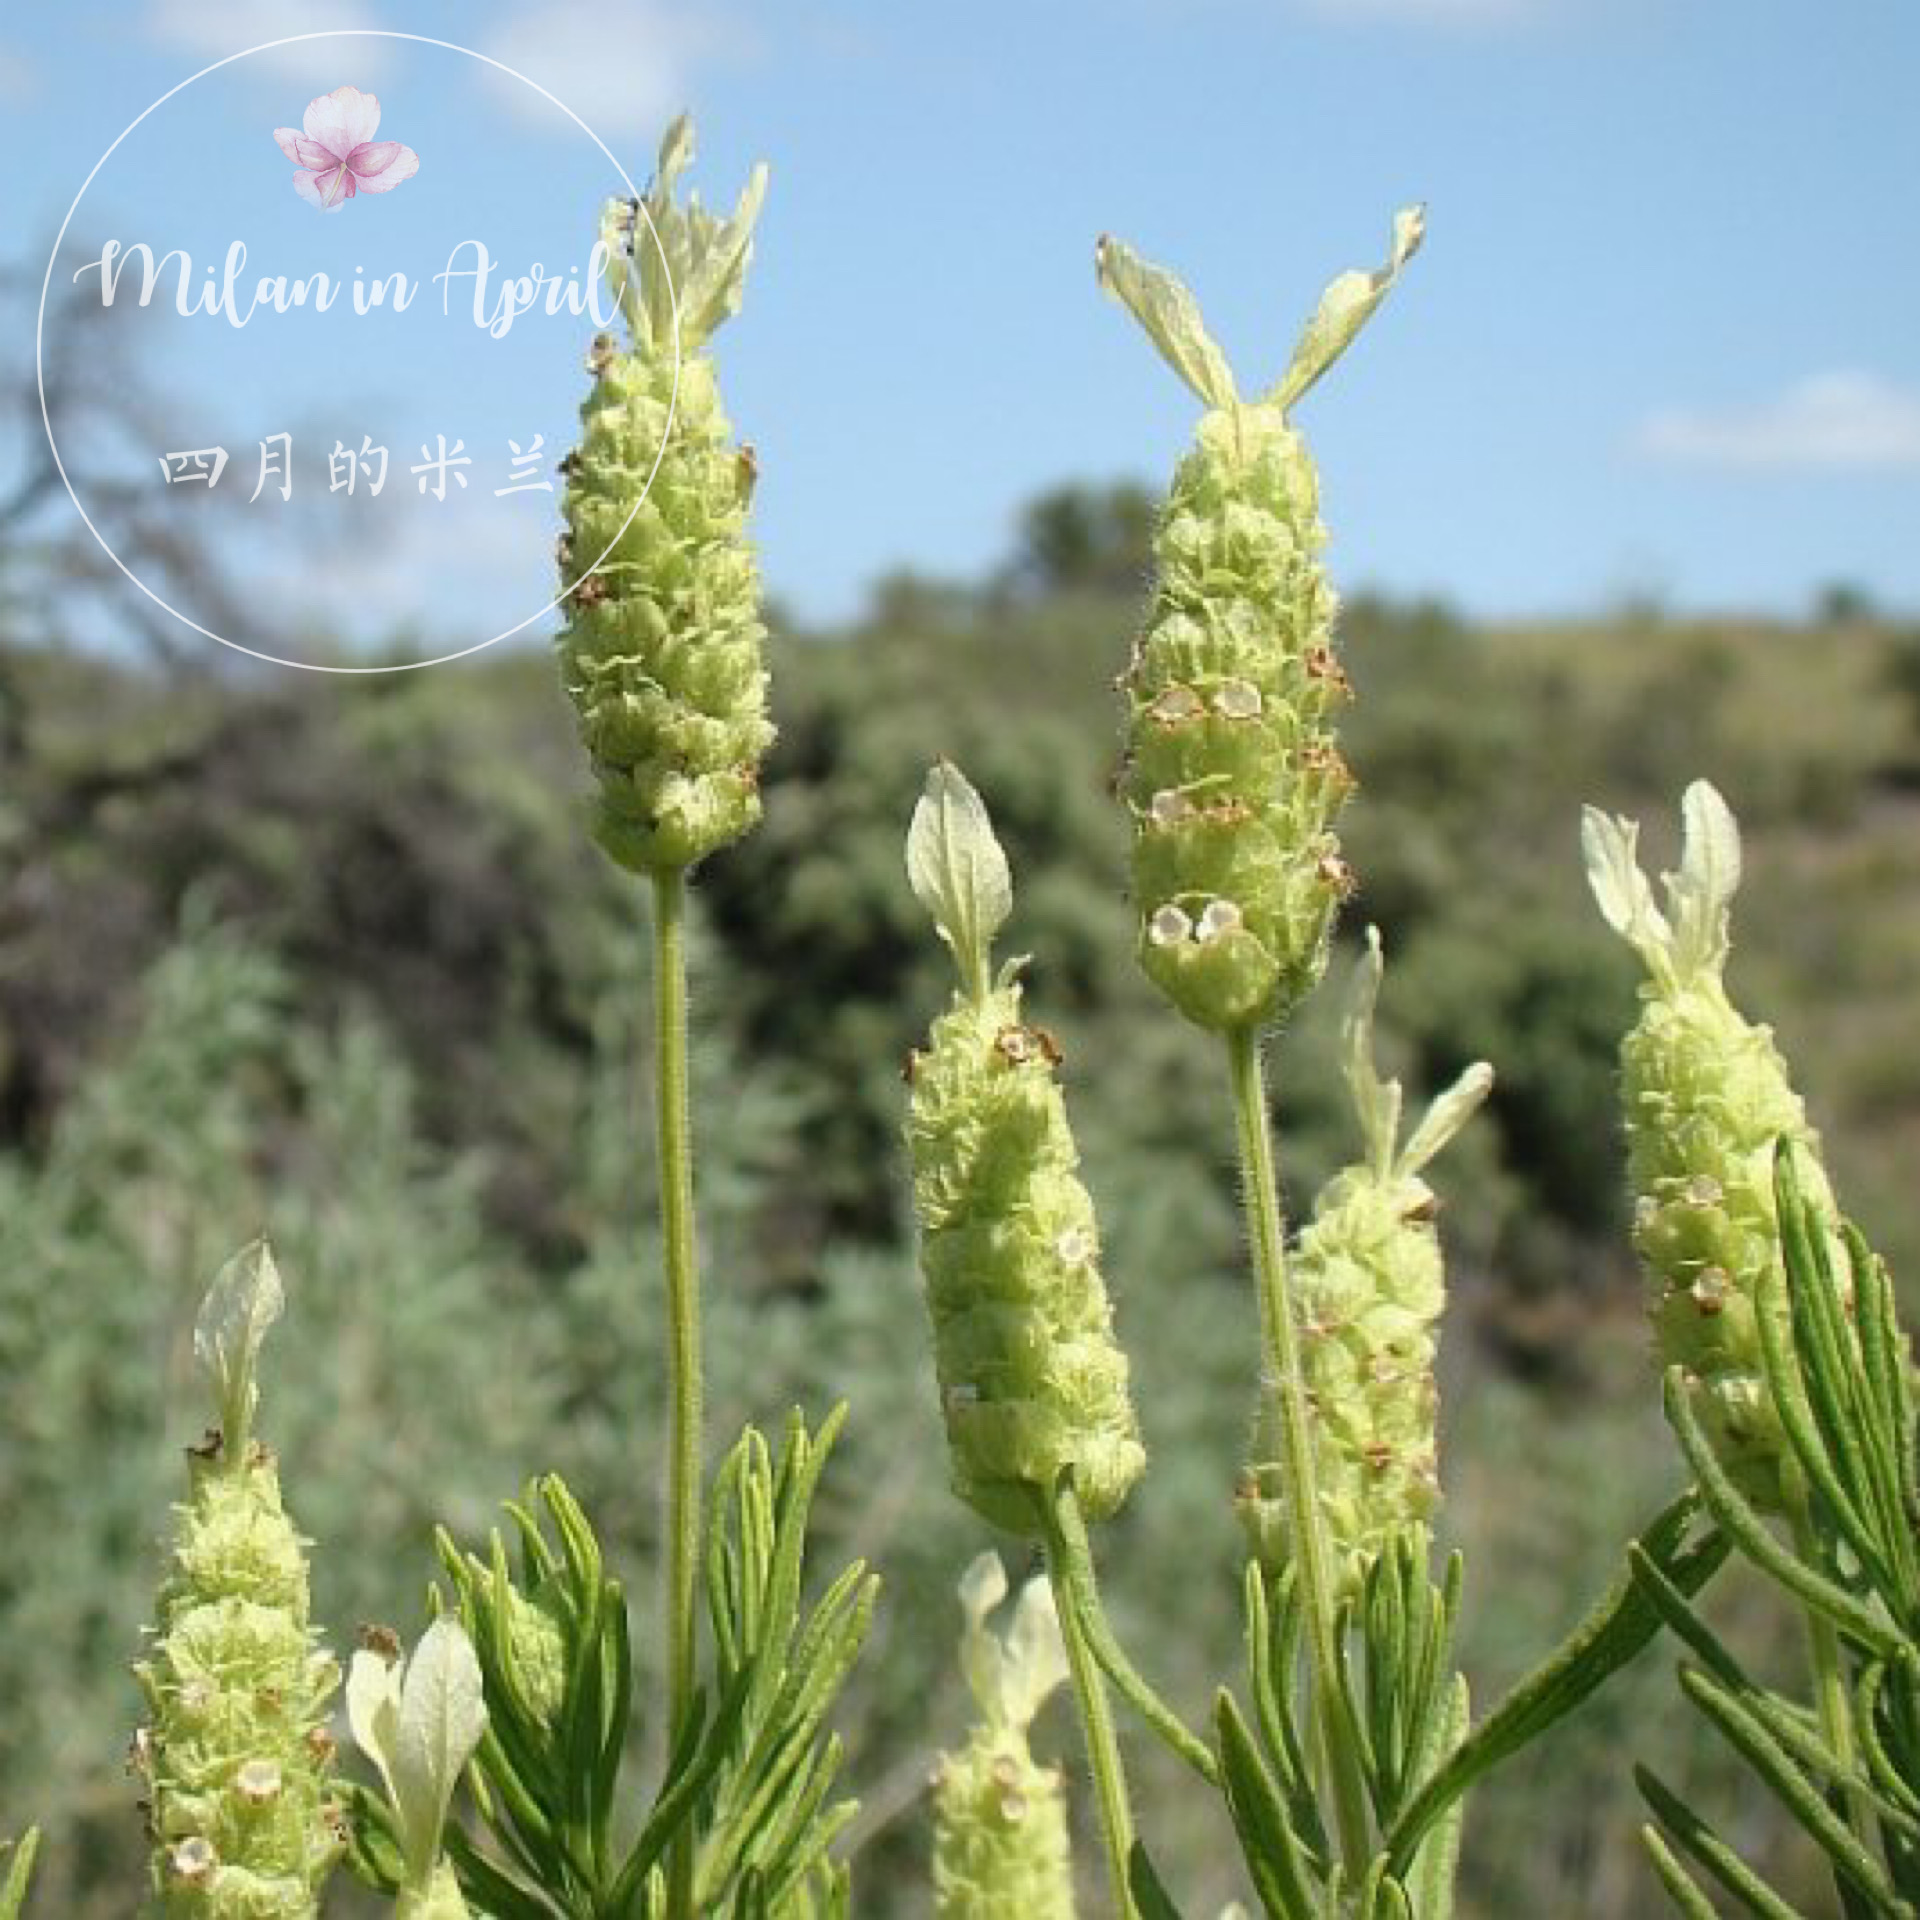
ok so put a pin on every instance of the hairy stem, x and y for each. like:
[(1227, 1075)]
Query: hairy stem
[(674, 1149), (1075, 1561), (1831, 1699), (1066, 1539), (1280, 1349)]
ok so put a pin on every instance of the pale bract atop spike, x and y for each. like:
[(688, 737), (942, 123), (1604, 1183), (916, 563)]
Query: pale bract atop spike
[(693, 262), (958, 872), (1171, 316), (1700, 895), (1375, 1101), (1011, 1677), (1610, 845), (419, 1724), (1448, 1113), (1346, 307), (246, 1298)]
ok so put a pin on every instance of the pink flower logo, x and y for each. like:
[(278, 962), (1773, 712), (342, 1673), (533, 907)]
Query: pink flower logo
[(337, 156)]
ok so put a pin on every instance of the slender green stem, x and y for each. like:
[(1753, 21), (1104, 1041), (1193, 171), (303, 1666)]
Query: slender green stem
[(1281, 1350), (674, 1149), (1831, 1699), (1077, 1569), (1065, 1530)]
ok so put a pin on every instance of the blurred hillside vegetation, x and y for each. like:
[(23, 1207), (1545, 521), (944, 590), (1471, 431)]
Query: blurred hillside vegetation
[(332, 957)]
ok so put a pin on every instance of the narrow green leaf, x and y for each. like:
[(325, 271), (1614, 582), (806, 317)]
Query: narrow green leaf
[(1750, 1533), (1889, 1778), (1613, 1633), (1682, 1888), (1744, 1732), (1273, 1638), (1149, 1895), (490, 1889), (13, 1892), (1889, 1370), (1430, 1883), (1713, 1853), (1787, 1386), (1272, 1857)]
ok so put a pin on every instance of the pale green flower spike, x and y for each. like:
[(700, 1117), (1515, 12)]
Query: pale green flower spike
[(237, 1759), (419, 1722), (1370, 1283), (1032, 1383), (1706, 1098), (1000, 1842), (1232, 774), (662, 650)]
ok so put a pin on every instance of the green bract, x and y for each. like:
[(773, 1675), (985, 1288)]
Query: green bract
[(237, 1757), (1232, 773), (1032, 1383), (662, 651), (1370, 1283), (1707, 1098), (1000, 1818)]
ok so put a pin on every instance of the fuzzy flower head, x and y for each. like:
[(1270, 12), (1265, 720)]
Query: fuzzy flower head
[(335, 155), (1232, 775), (1371, 1284), (1707, 1098), (1000, 1819), (237, 1757), (1033, 1384), (662, 650)]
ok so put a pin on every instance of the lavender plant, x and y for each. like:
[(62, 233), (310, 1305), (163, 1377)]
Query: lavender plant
[(1789, 1386), (1343, 1754), (1000, 1840), (237, 1759)]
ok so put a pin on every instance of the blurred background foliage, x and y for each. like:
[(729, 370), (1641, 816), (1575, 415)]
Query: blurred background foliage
[(332, 958)]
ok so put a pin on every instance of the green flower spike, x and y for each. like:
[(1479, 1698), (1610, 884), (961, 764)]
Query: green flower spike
[(1031, 1381), (419, 1722), (1707, 1098), (1371, 1285), (1000, 1819), (1232, 774), (237, 1758), (662, 651)]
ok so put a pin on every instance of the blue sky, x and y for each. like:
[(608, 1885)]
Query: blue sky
[(1664, 338)]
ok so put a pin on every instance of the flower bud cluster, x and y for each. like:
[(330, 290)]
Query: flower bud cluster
[(1032, 1381), (1370, 1282), (1706, 1098), (662, 653), (1000, 1818), (1232, 772), (237, 1758)]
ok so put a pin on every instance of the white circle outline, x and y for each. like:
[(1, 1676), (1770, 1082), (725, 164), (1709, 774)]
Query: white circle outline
[(267, 46)]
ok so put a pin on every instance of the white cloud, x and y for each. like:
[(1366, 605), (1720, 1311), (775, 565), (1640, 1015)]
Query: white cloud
[(214, 33), (1831, 422), (623, 70)]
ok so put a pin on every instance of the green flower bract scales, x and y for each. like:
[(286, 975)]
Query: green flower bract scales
[(662, 653)]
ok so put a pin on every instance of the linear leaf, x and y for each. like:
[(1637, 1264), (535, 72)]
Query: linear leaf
[(1612, 1634)]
